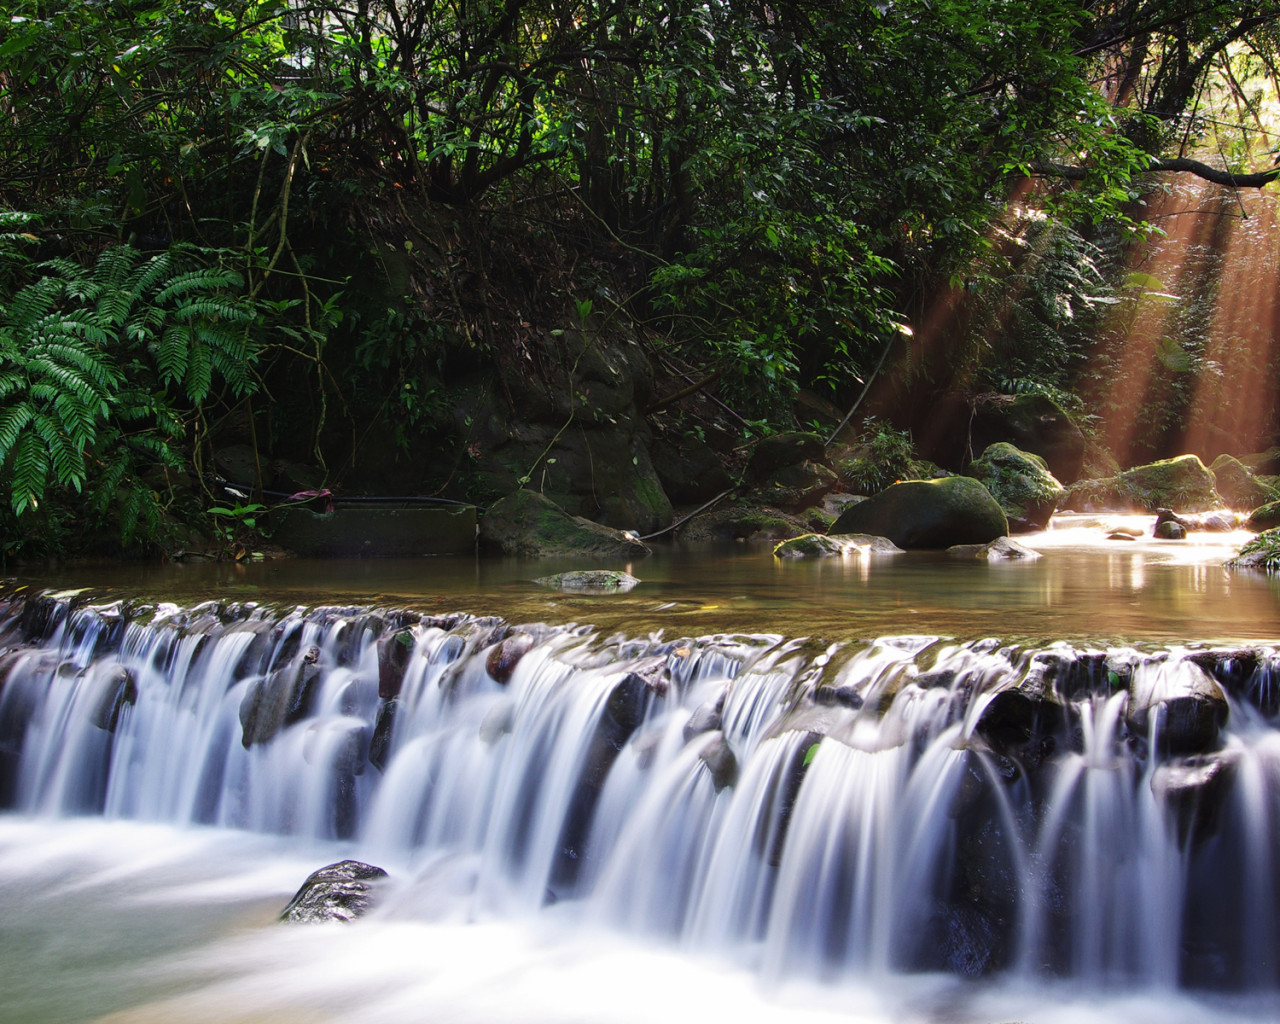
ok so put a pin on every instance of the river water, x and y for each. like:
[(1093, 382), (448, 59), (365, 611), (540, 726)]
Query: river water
[(136, 898)]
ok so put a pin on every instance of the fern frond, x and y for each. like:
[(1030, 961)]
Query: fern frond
[(30, 469), (12, 421), (199, 376), (173, 354)]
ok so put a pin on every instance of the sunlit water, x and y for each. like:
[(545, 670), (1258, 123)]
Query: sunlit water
[(173, 917)]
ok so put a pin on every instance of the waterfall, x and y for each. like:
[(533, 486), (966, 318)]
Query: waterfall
[(904, 804)]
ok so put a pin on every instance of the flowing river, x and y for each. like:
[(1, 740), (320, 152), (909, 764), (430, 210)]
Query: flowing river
[(906, 788)]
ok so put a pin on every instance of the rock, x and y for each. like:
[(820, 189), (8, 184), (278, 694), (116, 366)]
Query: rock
[(718, 758), (279, 699), (796, 487), (1266, 517), (505, 656), (820, 545), (689, 470), (526, 523), (928, 514), (1120, 535), (1033, 423), (1021, 483), (781, 450), (393, 657), (735, 522), (1239, 488), (1170, 529), (338, 892), (1184, 703), (107, 689), (1195, 790), (1183, 482), (706, 717), (1002, 549), (603, 581)]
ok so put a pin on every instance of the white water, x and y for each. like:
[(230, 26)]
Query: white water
[(540, 873)]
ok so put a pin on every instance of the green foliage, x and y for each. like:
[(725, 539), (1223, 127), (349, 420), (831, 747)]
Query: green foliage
[(96, 364), (885, 455), (1263, 552)]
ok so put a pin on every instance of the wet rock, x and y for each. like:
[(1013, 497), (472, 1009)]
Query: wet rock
[(380, 742), (393, 658), (1021, 483), (528, 524), (497, 723), (344, 744), (718, 758), (338, 892), (1170, 530), (107, 690), (1182, 703), (1195, 791), (1002, 549), (280, 699), (818, 545), (779, 451), (503, 658), (705, 718), (928, 514), (844, 695), (600, 581)]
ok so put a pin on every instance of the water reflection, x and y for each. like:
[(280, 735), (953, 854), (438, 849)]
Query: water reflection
[(1083, 588)]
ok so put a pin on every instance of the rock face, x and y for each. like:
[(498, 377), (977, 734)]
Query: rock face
[(1267, 517), (788, 471), (928, 514), (600, 467), (1239, 488), (337, 892), (526, 523), (689, 470), (1021, 483)]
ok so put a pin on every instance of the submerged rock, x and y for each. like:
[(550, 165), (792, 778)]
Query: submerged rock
[(602, 581), (928, 514), (503, 659), (338, 892)]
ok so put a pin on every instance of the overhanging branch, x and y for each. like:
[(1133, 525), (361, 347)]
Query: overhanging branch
[(1180, 164)]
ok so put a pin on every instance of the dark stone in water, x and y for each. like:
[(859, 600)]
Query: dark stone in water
[(719, 759), (380, 744), (280, 699), (503, 659), (112, 687), (393, 657), (1195, 791), (337, 892), (705, 718)]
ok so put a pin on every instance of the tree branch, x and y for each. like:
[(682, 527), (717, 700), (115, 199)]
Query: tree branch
[(1181, 164)]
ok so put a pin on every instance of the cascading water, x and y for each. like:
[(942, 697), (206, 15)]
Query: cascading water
[(909, 804)]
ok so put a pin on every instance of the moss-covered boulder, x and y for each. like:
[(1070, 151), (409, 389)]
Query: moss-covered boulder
[(780, 450), (825, 545), (928, 514), (1183, 483), (1021, 484), (1034, 423), (1237, 485), (1266, 517), (526, 523), (1002, 549)]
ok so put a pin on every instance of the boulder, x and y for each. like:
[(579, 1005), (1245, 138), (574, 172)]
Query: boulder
[(796, 487), (1186, 706), (1184, 483), (337, 892), (788, 449), (827, 545), (928, 514), (1021, 483), (1034, 424), (526, 523), (1239, 488), (1267, 517)]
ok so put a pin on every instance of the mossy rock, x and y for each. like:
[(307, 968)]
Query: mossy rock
[(1263, 552), (751, 524), (600, 581), (526, 523), (787, 449), (1238, 486), (1002, 549), (1265, 518), (928, 514), (1021, 483), (1183, 483), (822, 545)]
